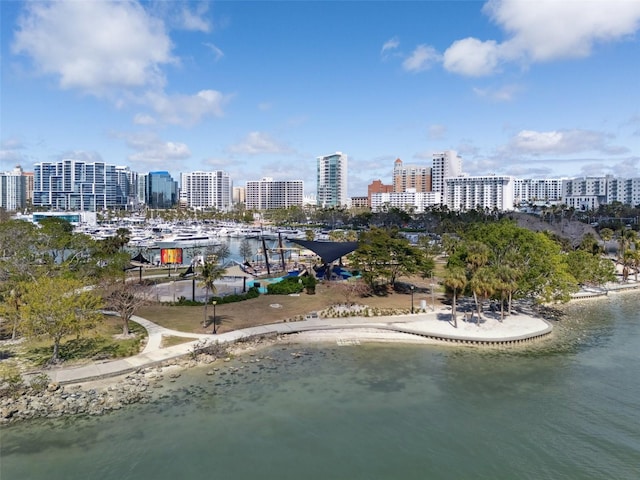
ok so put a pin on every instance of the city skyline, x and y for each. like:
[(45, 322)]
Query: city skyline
[(261, 89)]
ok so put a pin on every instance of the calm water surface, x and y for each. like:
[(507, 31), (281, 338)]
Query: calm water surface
[(568, 408)]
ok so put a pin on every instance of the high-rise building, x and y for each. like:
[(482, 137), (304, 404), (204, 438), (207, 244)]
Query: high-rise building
[(29, 186), (332, 181), (76, 185), (407, 177), (588, 193), (204, 190), (160, 190), (266, 194), (623, 190), (13, 191), (127, 187), (239, 195), (489, 192), (445, 164), (538, 190)]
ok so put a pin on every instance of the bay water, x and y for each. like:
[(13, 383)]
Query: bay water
[(565, 408)]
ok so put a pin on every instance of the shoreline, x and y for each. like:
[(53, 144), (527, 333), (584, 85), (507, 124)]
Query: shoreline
[(99, 396)]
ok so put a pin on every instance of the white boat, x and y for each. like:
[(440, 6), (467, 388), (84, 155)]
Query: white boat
[(188, 240), (245, 233)]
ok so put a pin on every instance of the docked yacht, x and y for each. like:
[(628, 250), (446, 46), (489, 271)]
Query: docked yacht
[(188, 239)]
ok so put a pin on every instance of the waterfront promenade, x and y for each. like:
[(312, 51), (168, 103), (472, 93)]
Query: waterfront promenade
[(434, 326)]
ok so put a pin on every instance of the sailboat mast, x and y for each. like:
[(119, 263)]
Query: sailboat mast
[(266, 256)]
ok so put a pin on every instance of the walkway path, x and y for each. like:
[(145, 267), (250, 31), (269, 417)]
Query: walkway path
[(435, 325)]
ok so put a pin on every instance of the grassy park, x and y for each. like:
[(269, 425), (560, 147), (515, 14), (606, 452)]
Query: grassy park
[(267, 309)]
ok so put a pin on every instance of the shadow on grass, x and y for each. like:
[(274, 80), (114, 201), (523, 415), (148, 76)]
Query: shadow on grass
[(219, 321)]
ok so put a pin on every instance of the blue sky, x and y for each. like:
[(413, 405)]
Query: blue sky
[(532, 89)]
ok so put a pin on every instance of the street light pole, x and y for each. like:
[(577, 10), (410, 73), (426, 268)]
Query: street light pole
[(412, 289), (214, 316)]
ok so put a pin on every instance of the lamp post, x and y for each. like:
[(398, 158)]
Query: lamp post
[(214, 316), (412, 289)]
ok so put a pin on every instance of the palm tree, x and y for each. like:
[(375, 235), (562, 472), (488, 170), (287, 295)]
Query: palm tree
[(456, 280), (478, 255), (628, 260), (606, 234), (483, 285), (625, 239), (506, 277), (210, 273)]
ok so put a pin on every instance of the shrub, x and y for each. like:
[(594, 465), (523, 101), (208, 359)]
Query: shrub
[(310, 282), (183, 302), (287, 286), (10, 379), (236, 297), (40, 382)]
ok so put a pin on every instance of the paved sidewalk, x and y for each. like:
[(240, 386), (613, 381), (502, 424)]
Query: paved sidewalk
[(435, 325)]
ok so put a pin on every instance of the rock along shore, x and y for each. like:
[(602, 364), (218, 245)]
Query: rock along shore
[(100, 397)]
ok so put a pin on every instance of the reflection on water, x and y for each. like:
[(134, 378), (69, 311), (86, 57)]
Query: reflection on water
[(563, 408)]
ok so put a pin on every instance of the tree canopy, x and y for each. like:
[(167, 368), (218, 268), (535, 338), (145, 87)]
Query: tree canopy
[(503, 261), (383, 255), (57, 307)]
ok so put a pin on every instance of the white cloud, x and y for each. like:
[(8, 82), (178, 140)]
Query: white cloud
[(9, 158), (144, 119), (421, 59), (221, 163), (504, 93), (194, 21), (94, 46), (627, 168), (548, 30), (83, 155), (152, 150), (543, 31), (186, 109), (256, 143), (562, 142), (472, 57), (12, 154), (466, 149), (389, 45), (217, 53)]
